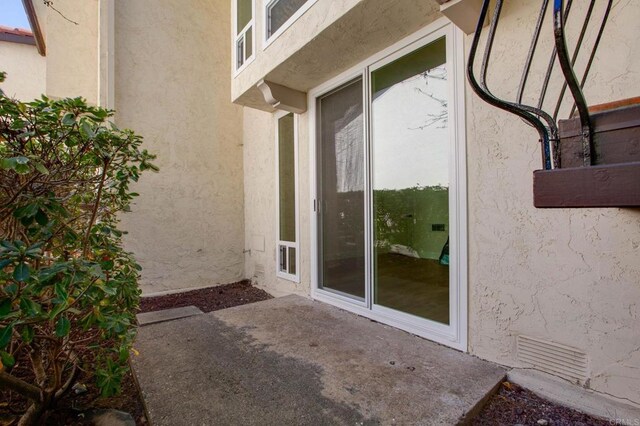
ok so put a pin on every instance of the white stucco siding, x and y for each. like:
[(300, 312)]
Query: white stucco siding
[(172, 87), (72, 48), (260, 203), (567, 275), (328, 38), (25, 69)]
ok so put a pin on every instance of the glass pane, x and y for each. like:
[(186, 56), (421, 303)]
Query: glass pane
[(341, 190), (286, 179), (240, 52), (243, 12), (280, 11), (411, 183), (248, 38), (292, 260), (282, 256)]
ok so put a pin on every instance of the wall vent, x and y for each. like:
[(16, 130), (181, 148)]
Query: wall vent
[(554, 358)]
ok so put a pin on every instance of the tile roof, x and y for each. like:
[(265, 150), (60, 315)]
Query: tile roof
[(15, 31), (16, 35)]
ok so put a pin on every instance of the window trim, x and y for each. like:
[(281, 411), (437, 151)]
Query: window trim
[(284, 275), (268, 40), (237, 35)]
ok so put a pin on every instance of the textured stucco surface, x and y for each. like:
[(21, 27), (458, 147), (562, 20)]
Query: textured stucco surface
[(260, 203), (330, 37), (25, 68), (72, 48), (566, 275), (172, 87)]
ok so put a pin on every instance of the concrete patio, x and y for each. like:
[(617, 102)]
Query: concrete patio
[(291, 360)]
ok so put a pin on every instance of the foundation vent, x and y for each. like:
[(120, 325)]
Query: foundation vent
[(560, 360)]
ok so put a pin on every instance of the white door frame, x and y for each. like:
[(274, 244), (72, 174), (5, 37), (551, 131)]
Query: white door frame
[(454, 334)]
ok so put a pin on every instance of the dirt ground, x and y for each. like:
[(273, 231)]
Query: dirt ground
[(71, 408), (208, 299), (513, 405)]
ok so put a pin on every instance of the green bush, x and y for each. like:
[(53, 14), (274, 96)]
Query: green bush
[(68, 290)]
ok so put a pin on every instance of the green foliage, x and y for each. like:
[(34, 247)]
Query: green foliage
[(65, 172), (404, 217)]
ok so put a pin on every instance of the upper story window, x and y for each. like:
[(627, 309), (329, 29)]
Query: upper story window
[(244, 42), (280, 12)]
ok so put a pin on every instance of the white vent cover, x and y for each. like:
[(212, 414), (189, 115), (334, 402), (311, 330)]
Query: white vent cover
[(554, 358)]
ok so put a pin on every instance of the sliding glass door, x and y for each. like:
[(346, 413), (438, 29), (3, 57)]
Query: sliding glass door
[(389, 209), (341, 187), (410, 180)]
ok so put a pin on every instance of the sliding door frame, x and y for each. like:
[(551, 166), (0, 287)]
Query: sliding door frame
[(454, 334)]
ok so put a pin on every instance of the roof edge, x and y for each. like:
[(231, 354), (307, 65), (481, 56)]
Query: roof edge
[(35, 26), (16, 36)]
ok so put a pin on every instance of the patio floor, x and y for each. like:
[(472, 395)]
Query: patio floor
[(291, 360)]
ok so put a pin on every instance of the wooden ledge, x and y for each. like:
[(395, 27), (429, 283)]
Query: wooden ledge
[(610, 185)]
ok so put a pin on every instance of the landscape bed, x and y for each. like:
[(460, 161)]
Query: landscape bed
[(514, 405), (207, 299)]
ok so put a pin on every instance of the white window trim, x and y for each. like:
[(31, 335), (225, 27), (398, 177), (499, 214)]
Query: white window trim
[(454, 335), (291, 277), (235, 37), (270, 39)]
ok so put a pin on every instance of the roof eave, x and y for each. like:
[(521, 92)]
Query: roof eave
[(35, 26)]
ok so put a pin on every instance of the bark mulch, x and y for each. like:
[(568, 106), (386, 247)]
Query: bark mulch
[(207, 299), (514, 405)]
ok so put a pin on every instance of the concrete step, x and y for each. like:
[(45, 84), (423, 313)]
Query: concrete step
[(147, 318)]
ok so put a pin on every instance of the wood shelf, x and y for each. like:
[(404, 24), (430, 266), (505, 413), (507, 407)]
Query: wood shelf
[(613, 180)]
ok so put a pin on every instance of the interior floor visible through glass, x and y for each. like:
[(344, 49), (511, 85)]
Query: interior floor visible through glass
[(414, 285)]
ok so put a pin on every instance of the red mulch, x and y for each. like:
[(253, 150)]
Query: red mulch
[(208, 299), (514, 405)]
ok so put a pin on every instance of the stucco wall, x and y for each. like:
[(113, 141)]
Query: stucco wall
[(328, 38), (260, 203), (570, 276), (172, 87), (25, 70), (72, 48)]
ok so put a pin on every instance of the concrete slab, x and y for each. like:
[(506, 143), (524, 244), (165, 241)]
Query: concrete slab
[(294, 361), (147, 318), (564, 393)]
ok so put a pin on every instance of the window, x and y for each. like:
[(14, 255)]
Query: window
[(287, 207), (279, 12), (244, 41)]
